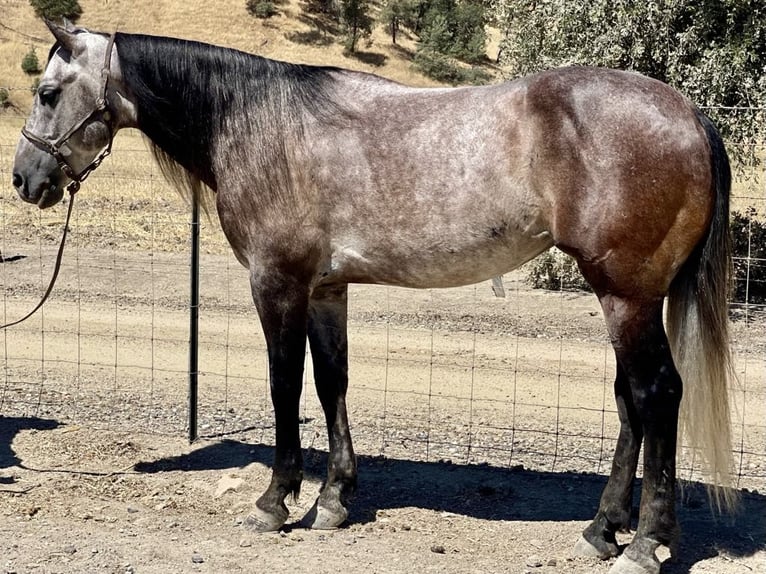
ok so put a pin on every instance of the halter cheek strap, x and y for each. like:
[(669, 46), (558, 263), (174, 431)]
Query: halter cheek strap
[(100, 113)]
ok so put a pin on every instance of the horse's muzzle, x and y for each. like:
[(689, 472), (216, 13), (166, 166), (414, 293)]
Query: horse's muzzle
[(44, 193)]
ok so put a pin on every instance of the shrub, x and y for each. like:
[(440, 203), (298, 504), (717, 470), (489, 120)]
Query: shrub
[(30, 64), (442, 68), (261, 8), (5, 98), (556, 271)]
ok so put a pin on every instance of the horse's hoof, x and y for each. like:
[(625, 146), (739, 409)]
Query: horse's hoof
[(585, 548), (323, 518), (589, 550), (262, 521), (625, 565)]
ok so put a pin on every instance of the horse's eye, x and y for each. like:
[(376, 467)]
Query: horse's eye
[(48, 96)]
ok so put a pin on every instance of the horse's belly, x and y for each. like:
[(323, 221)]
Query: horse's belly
[(441, 263)]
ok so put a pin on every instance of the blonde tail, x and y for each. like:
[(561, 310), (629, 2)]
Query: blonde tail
[(697, 323)]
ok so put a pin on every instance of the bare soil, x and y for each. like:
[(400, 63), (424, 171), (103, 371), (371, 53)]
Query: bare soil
[(483, 426)]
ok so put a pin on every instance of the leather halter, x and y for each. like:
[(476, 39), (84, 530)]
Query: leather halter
[(100, 113)]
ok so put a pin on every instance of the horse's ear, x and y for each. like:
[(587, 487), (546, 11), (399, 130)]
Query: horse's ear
[(65, 35)]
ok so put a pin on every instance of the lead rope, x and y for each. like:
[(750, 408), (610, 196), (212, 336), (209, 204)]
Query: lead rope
[(72, 188)]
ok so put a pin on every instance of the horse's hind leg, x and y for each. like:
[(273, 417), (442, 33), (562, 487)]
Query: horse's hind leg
[(282, 303), (329, 351), (617, 499), (643, 353)]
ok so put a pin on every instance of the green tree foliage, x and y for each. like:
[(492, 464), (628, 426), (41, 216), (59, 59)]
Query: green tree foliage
[(712, 51), (30, 64), (445, 69), (398, 14), (748, 234), (449, 30), (356, 20), (452, 28), (57, 9)]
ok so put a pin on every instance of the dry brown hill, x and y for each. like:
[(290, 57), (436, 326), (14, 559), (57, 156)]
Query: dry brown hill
[(293, 35)]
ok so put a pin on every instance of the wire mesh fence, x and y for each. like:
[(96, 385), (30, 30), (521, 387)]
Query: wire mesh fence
[(455, 374)]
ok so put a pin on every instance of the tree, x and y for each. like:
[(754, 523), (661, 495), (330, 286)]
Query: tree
[(469, 33), (30, 64), (397, 14), (57, 9), (454, 28), (356, 20), (712, 51)]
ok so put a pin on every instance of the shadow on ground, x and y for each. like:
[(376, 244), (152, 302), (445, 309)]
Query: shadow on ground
[(9, 428), (489, 493), (371, 58), (11, 258)]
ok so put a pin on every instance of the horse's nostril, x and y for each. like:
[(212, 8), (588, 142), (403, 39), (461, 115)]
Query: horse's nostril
[(18, 180)]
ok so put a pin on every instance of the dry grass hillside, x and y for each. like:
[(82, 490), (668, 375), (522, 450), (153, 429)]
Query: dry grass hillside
[(293, 35)]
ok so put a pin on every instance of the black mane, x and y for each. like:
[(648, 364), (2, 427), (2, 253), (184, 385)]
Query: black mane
[(190, 95)]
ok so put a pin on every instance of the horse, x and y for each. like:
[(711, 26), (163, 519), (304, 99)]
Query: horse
[(323, 176)]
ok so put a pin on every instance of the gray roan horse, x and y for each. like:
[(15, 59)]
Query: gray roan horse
[(324, 177)]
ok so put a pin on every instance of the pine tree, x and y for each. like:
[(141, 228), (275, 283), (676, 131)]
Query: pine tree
[(356, 20), (57, 10), (30, 64)]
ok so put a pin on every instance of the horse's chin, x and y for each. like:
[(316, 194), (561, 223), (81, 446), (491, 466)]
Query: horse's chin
[(50, 197)]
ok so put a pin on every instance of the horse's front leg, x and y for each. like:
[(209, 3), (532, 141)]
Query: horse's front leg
[(329, 351), (282, 303)]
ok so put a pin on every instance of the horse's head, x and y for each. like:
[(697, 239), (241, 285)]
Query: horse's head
[(71, 125)]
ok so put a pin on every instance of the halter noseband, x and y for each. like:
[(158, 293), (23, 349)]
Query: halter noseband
[(101, 113)]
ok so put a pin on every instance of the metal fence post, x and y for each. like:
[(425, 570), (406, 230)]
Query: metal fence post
[(194, 321)]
